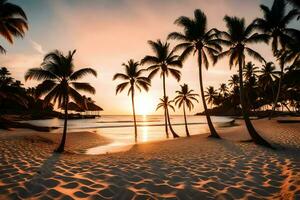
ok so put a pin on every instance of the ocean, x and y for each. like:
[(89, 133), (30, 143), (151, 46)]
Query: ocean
[(119, 128)]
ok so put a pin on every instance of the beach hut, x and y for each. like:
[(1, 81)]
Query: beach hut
[(93, 109), (74, 107)]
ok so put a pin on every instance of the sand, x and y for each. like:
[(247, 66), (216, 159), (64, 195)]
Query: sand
[(185, 168)]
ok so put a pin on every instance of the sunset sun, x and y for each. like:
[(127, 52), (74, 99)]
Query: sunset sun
[(144, 104)]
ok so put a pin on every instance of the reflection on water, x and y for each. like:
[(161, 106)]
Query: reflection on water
[(121, 131), (145, 134)]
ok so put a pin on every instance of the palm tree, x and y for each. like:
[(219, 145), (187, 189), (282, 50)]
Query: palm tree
[(250, 70), (238, 37), (197, 39), (164, 62), (13, 22), (59, 83), (275, 23), (133, 79), (210, 95), (166, 104), (184, 98), (234, 81), (224, 90), (9, 90), (292, 53), (268, 75)]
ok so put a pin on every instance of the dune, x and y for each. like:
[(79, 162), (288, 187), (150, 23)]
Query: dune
[(187, 168)]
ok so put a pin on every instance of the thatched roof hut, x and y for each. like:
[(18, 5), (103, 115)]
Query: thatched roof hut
[(74, 107), (93, 107)]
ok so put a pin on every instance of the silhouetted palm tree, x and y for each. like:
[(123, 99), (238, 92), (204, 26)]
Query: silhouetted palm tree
[(292, 52), (234, 81), (59, 83), (268, 75), (9, 90), (224, 91), (238, 37), (13, 22), (197, 39), (275, 23), (164, 62), (166, 104), (210, 95), (184, 98), (133, 79), (250, 70)]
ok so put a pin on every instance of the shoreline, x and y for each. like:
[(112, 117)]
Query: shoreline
[(74, 143)]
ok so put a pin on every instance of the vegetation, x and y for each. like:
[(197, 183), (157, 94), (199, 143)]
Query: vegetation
[(13, 22), (196, 38), (185, 99), (59, 84), (15, 98), (165, 103), (133, 79), (164, 62), (237, 39), (275, 25)]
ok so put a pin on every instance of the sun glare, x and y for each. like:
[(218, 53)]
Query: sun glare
[(144, 105)]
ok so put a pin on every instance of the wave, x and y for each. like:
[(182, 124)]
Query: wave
[(139, 125), (126, 121)]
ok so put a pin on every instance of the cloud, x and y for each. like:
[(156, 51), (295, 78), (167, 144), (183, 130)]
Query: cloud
[(38, 47)]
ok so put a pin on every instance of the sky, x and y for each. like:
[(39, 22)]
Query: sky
[(107, 33)]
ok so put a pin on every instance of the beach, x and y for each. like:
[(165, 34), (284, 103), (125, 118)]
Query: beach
[(187, 168)]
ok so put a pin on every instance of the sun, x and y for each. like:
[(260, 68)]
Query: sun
[(144, 104)]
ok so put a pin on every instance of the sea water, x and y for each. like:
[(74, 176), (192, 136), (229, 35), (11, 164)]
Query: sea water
[(120, 130)]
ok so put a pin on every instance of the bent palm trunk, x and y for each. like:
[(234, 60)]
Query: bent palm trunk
[(61, 147), (253, 133), (170, 126), (134, 117), (213, 132), (185, 122)]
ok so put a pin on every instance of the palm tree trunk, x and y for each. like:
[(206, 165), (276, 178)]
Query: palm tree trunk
[(254, 135), (185, 121), (61, 147), (165, 111), (167, 116), (170, 126), (213, 132), (278, 90), (133, 112)]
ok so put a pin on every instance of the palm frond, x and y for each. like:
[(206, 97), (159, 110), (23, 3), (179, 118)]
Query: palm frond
[(121, 87), (149, 60), (45, 87), (175, 73), (177, 36), (120, 76), (81, 73), (255, 55), (39, 74), (86, 87)]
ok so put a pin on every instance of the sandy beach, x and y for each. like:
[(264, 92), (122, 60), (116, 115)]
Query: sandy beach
[(185, 168)]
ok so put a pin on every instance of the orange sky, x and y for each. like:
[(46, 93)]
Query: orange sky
[(108, 33)]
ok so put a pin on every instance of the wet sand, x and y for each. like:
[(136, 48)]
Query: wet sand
[(185, 168)]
